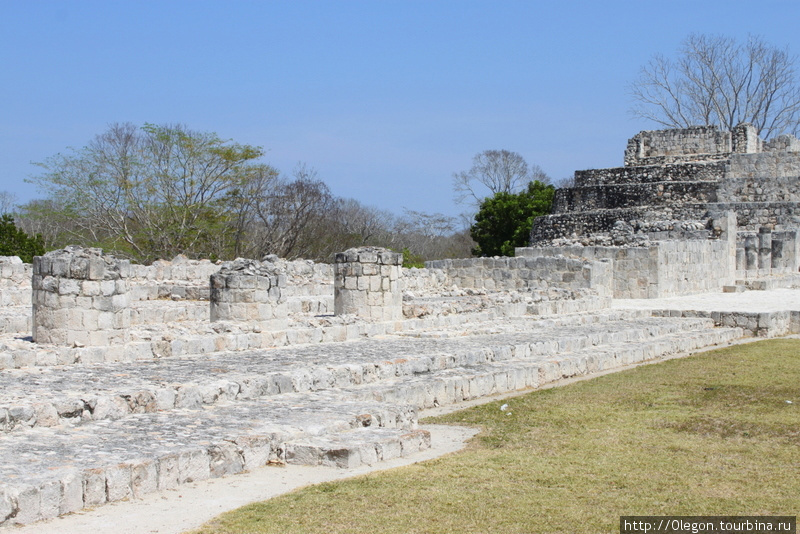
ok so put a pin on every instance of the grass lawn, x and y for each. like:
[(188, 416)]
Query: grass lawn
[(712, 434)]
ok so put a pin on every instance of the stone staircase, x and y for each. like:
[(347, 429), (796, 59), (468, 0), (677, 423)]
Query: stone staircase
[(76, 436)]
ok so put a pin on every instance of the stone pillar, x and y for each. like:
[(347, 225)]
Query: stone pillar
[(784, 251), (250, 291), (751, 252), (740, 257), (366, 282), (725, 227), (764, 248), (80, 298)]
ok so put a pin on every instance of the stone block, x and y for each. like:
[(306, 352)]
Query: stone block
[(168, 472), (193, 466), (94, 487), (118, 482)]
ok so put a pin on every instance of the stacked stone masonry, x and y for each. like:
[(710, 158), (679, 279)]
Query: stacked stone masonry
[(527, 273), (80, 297), (683, 175), (367, 284), (674, 185), (249, 291)]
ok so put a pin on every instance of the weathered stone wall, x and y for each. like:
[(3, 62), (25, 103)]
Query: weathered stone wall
[(687, 172), (765, 177), (426, 280), (560, 225), (614, 196), (752, 216), (697, 266), (15, 282), (526, 273), (700, 143), (249, 291), (80, 297), (664, 269), (179, 279)]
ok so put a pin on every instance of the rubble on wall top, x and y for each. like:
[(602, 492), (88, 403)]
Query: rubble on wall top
[(267, 267), (78, 262)]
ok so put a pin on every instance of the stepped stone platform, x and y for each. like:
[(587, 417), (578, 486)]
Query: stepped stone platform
[(80, 435)]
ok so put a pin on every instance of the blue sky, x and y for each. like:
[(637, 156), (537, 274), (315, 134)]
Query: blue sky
[(385, 99)]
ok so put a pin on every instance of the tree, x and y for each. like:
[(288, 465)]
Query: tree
[(153, 192), (15, 242), (718, 81), (498, 171), (8, 203), (504, 221)]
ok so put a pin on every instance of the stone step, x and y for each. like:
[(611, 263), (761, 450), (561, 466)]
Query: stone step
[(455, 385), (49, 471), (193, 338), (78, 395), (362, 411)]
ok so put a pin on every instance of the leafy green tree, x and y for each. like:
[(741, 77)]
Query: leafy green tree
[(15, 242), (504, 221)]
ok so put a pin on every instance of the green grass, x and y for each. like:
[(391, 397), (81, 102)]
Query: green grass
[(707, 435)]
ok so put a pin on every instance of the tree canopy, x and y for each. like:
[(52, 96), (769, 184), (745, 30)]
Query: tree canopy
[(153, 192), (719, 81), (15, 242), (504, 220)]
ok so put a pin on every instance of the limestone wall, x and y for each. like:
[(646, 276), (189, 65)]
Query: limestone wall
[(751, 216), (697, 171), (15, 282), (525, 273), (700, 143), (80, 297), (664, 269), (688, 142), (560, 225), (614, 196), (764, 177), (367, 283)]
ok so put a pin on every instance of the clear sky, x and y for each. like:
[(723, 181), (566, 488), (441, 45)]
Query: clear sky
[(385, 99)]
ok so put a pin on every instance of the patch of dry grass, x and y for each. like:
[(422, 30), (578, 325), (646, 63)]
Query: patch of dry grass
[(708, 435)]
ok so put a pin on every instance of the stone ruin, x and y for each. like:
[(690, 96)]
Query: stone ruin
[(198, 369), (691, 210)]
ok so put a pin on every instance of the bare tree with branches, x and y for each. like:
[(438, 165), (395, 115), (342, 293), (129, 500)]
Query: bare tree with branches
[(492, 172), (719, 81)]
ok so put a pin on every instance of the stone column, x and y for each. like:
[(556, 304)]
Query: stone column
[(250, 291), (80, 298), (751, 252), (366, 283), (764, 248)]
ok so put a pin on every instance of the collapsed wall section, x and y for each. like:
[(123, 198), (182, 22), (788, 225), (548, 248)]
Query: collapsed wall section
[(249, 291)]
